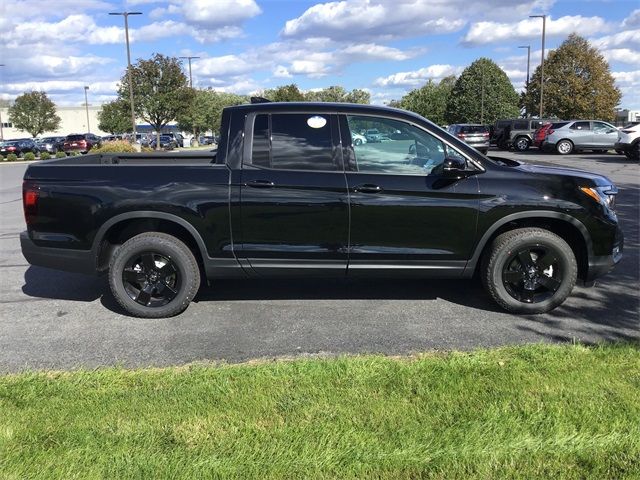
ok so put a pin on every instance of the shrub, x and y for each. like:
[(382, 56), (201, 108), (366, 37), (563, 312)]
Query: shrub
[(45, 155), (116, 146), (12, 157), (60, 154), (29, 156)]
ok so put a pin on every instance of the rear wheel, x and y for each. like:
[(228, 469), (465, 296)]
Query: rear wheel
[(564, 147), (529, 270), (522, 144), (154, 275)]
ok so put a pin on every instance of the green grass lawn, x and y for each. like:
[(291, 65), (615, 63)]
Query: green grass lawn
[(521, 412)]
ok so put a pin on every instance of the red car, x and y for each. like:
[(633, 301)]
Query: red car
[(540, 134), (81, 143)]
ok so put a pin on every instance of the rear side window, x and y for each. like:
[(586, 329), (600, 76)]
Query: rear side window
[(74, 138), (521, 125), (291, 141), (558, 125), (580, 126)]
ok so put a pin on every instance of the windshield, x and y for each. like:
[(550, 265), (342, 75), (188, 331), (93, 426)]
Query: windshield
[(474, 129), (74, 138)]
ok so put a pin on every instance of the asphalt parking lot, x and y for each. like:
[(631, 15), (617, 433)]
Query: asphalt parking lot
[(57, 320)]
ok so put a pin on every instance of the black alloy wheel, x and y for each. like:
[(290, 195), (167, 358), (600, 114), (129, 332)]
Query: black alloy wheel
[(532, 274), (151, 279)]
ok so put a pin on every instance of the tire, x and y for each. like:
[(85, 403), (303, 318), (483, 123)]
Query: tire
[(513, 286), (357, 141), (141, 287), (634, 151), (522, 144), (619, 152), (564, 147)]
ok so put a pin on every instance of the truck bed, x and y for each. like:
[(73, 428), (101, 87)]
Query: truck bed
[(146, 158)]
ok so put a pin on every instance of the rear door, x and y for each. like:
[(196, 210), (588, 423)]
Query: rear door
[(406, 217), (293, 196), (581, 134)]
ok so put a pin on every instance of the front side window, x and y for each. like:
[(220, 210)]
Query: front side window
[(397, 148), (291, 141), (602, 127)]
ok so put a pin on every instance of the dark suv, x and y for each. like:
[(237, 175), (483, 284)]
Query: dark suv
[(517, 132), (81, 143), (19, 147)]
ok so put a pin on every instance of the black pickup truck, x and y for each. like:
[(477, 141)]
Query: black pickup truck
[(289, 193)]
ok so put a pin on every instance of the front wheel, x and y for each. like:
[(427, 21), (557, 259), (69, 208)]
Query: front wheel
[(529, 270), (154, 275)]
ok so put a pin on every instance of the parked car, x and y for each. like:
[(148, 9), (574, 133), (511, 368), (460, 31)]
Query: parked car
[(473, 134), (166, 142), (81, 143), (207, 140), (19, 146), (629, 141), (50, 144), (284, 196), (541, 133), (576, 135), (358, 139), (516, 132), (373, 135)]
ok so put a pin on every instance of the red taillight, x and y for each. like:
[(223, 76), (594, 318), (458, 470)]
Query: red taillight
[(460, 135), (485, 134), (11, 148), (30, 195)]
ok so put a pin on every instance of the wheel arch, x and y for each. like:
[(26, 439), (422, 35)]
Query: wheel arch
[(126, 225), (565, 226)]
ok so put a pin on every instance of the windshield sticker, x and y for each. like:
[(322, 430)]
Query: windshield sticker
[(316, 121)]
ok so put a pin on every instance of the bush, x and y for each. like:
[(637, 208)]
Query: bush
[(60, 154), (45, 155), (29, 156), (116, 146), (12, 157)]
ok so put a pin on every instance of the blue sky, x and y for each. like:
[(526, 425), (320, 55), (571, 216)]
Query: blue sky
[(385, 46)]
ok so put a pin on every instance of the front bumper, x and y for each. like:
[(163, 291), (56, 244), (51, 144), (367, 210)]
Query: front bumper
[(622, 146), (601, 265), (78, 261)]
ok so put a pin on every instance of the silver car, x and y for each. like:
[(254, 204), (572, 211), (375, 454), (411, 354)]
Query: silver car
[(575, 135)]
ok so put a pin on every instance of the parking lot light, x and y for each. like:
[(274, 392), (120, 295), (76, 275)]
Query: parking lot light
[(190, 77), (126, 34), (86, 104)]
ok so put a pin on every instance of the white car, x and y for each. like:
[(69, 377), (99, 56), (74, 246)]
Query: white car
[(629, 141), (358, 139)]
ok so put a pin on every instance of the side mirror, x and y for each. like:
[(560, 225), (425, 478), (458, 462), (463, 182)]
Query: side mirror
[(454, 165)]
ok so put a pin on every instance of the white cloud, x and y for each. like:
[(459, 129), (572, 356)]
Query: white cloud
[(531, 28), (623, 55), (418, 77), (219, 14), (624, 39), (633, 20), (371, 51), (280, 71)]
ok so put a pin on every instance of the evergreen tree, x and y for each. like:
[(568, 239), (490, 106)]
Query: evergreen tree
[(482, 94)]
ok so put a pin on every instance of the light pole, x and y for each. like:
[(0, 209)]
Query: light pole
[(1, 127), (528, 47), (544, 26), (86, 104), (482, 97), (126, 33), (190, 77)]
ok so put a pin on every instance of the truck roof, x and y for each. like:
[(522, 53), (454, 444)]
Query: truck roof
[(322, 106)]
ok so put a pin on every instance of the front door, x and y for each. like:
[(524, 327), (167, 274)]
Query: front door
[(604, 135), (293, 194), (406, 216)]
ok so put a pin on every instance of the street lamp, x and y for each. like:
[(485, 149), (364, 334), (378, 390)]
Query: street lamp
[(190, 77), (126, 33), (528, 47), (1, 127), (544, 26), (86, 104)]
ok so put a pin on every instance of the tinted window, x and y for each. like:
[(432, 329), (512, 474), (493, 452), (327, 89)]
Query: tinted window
[(402, 148), (502, 123), (580, 126), (558, 124), (535, 124), (602, 127), (521, 125), (75, 138), (474, 129), (293, 142)]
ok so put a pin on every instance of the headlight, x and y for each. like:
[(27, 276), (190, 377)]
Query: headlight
[(605, 195)]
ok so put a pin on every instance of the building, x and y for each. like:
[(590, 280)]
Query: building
[(623, 117), (73, 120)]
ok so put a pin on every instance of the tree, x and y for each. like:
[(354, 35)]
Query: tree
[(577, 83), (160, 90), (336, 93), (115, 117), (205, 112), (284, 93), (482, 93), (430, 100), (35, 113)]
